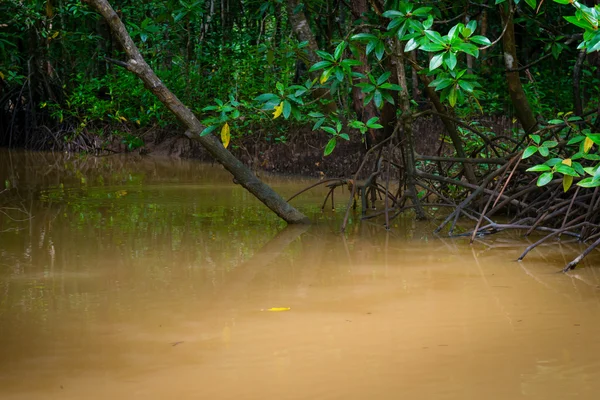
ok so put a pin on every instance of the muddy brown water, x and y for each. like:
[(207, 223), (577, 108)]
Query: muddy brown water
[(143, 278)]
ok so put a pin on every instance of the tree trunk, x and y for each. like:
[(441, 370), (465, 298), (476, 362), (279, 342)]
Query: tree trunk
[(577, 95), (301, 29), (450, 128), (517, 94), (242, 174), (407, 124)]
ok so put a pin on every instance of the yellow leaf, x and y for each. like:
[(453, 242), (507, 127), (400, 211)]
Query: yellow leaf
[(123, 118), (587, 144), (567, 162), (225, 135), (567, 182), (55, 34), (325, 75), (1, 75), (279, 309), (278, 110)]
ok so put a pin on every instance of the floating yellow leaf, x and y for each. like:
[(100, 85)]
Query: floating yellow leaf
[(567, 162), (278, 110), (279, 309), (225, 135), (587, 144), (567, 182), (55, 34)]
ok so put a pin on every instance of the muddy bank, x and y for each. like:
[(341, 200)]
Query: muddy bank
[(300, 154)]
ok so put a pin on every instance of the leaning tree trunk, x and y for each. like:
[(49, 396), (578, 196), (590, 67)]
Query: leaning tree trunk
[(242, 174), (517, 94)]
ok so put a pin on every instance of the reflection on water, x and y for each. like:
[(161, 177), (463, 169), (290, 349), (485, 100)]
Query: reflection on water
[(146, 279)]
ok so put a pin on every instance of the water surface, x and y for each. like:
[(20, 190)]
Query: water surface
[(141, 278)]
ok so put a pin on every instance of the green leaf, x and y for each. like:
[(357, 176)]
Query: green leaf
[(434, 36), (339, 50), (325, 55), (287, 109), (208, 130), (363, 37), (531, 150), (344, 136), (545, 178), (372, 121), (411, 45), (582, 23), (441, 83), (544, 151), (315, 114), (468, 48), (392, 86), (380, 50), (450, 60), (588, 183), (320, 65), (422, 11), (371, 45), (392, 14), (536, 138), (436, 61), (453, 97), (550, 144), (318, 124), (330, 146), (482, 40), (531, 3), (329, 129), (576, 139), (378, 99), (266, 97), (384, 77), (467, 86), (350, 63), (566, 170), (539, 168), (553, 161), (430, 47)]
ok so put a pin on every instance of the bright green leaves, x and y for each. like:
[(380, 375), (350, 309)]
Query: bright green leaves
[(407, 19), (286, 101), (378, 90), (222, 114), (543, 149), (455, 85), (334, 65), (415, 28), (364, 127), (336, 133), (569, 168), (586, 18)]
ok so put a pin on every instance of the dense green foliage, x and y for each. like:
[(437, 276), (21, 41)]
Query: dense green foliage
[(240, 65)]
